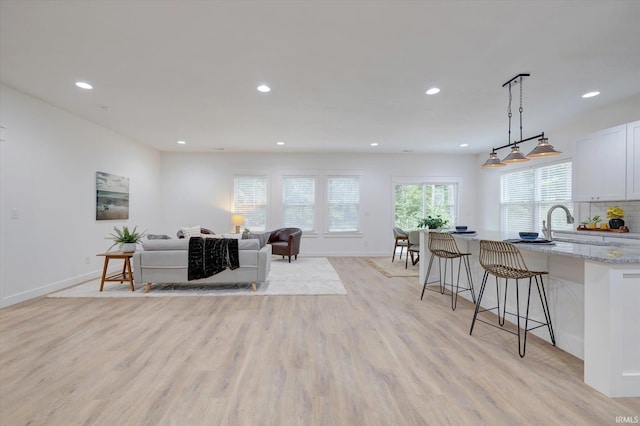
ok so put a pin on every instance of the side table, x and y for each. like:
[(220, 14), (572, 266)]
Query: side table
[(121, 277)]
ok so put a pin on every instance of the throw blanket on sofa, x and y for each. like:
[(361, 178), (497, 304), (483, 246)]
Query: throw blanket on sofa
[(209, 256)]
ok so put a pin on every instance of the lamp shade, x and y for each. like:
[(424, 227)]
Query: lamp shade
[(493, 162), (515, 156), (237, 220), (543, 149)]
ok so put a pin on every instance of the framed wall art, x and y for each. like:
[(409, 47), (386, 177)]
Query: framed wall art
[(112, 196)]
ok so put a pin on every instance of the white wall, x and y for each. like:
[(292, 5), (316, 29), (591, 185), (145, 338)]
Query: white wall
[(47, 169), (562, 138), (197, 189)]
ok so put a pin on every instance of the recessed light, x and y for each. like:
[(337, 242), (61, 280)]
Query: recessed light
[(84, 85), (181, 142), (432, 91), (280, 143), (374, 143), (590, 94), (263, 88), (464, 145)]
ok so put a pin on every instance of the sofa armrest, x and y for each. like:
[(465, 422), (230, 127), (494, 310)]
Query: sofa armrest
[(264, 262)]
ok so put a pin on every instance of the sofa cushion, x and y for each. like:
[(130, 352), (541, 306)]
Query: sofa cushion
[(249, 245), (183, 244), (158, 245)]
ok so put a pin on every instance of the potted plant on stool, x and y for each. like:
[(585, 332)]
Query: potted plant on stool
[(126, 238)]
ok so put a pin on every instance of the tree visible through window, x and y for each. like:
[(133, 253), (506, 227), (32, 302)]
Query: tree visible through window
[(416, 201)]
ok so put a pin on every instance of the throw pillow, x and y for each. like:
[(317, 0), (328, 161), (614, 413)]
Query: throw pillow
[(158, 237), (262, 238), (191, 231)]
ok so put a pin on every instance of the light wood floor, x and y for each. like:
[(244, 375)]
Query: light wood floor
[(378, 356)]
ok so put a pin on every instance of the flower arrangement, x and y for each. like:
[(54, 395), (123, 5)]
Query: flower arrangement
[(614, 212)]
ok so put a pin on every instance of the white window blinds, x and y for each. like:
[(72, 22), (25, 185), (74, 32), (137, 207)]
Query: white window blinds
[(299, 202), (343, 199), (528, 194), (250, 200)]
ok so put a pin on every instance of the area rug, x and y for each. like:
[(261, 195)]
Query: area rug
[(394, 269), (305, 276)]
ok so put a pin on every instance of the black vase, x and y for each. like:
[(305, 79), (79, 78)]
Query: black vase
[(616, 223)]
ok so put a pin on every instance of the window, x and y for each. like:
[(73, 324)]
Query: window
[(250, 200), (416, 201), (299, 202), (343, 199), (527, 195)]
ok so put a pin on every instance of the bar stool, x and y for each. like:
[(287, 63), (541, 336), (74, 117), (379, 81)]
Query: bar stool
[(443, 246), (503, 260)]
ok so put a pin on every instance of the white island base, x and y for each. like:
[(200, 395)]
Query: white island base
[(612, 328), (594, 301)]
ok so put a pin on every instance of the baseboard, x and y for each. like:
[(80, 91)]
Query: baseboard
[(48, 288)]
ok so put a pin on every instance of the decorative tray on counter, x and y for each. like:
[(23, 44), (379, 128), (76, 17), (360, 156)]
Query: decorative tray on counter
[(622, 229)]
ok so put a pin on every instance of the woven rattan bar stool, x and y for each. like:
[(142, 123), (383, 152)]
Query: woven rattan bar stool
[(443, 246), (504, 260)]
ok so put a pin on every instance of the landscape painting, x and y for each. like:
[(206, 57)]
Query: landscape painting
[(112, 197)]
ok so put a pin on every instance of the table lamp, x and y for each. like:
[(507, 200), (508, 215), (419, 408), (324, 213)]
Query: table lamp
[(237, 220)]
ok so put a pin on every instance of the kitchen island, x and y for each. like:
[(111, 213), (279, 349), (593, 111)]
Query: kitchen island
[(594, 299)]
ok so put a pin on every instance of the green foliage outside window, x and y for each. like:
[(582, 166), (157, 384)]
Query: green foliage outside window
[(414, 202)]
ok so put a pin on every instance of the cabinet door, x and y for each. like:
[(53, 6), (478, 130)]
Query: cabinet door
[(633, 161), (600, 166)]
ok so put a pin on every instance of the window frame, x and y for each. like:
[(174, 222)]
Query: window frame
[(538, 214), (327, 216), (266, 204), (456, 181), (315, 199)]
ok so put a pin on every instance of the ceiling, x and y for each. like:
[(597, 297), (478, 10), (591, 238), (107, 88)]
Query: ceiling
[(343, 74)]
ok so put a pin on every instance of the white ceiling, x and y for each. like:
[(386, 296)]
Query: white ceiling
[(343, 73)]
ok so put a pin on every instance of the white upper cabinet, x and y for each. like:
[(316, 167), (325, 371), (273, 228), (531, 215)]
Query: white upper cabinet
[(600, 166), (633, 160)]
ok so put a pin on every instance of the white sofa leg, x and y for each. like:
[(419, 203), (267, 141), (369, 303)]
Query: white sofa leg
[(147, 288), (254, 286)]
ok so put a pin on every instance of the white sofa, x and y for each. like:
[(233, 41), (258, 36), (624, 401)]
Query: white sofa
[(165, 261)]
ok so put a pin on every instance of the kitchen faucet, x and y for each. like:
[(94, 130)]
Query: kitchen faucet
[(547, 230)]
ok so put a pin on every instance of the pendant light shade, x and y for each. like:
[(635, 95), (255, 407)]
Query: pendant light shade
[(543, 149), (515, 156), (493, 162)]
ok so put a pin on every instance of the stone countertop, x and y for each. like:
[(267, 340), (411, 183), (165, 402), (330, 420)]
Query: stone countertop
[(607, 253), (611, 234)]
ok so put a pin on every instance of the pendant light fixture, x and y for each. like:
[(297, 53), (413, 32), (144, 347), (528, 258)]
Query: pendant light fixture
[(543, 149)]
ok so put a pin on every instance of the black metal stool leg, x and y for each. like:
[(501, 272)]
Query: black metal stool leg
[(469, 278), (545, 308), (475, 312), (426, 279)]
